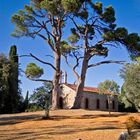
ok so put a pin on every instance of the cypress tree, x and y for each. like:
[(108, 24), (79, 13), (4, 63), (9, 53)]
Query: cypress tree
[(26, 101), (13, 54), (14, 94)]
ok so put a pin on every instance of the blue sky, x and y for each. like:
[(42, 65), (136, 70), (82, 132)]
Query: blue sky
[(127, 15)]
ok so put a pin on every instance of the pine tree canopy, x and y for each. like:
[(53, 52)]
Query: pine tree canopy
[(97, 27), (33, 71), (91, 20)]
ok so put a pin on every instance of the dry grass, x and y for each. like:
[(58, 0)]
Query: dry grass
[(63, 125)]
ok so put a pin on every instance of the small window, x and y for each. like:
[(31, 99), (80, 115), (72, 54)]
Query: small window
[(61, 103), (61, 87), (86, 103), (107, 104), (98, 104), (113, 104)]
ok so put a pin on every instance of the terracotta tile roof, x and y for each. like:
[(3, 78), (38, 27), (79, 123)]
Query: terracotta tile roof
[(86, 89)]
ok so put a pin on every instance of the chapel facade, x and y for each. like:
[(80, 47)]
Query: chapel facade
[(91, 98)]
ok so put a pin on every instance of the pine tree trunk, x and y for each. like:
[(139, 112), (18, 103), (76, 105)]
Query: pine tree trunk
[(81, 83), (56, 80)]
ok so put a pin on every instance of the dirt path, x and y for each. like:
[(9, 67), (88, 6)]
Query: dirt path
[(63, 125)]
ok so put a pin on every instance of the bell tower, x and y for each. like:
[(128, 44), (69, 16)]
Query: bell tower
[(63, 77)]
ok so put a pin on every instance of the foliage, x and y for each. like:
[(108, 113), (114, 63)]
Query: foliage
[(41, 95), (110, 86), (123, 108), (33, 108), (95, 32), (28, 21), (46, 19), (93, 24), (103, 25), (130, 94), (33, 71), (41, 98), (26, 101), (4, 73), (10, 96), (13, 54), (14, 89)]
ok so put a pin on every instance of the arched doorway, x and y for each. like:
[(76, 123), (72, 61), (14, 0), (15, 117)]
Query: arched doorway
[(113, 104), (61, 102), (98, 104), (107, 106), (86, 103)]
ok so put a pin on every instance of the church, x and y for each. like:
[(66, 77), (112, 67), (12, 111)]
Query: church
[(91, 98)]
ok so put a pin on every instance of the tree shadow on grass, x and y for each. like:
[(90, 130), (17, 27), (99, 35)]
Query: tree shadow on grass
[(16, 119), (59, 117), (66, 131), (76, 130), (54, 131), (10, 120), (101, 115)]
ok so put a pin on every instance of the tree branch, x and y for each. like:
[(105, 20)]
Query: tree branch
[(42, 61), (37, 22), (73, 67), (38, 80), (106, 62), (43, 26), (75, 24), (46, 29), (42, 36), (36, 58), (50, 56), (59, 28)]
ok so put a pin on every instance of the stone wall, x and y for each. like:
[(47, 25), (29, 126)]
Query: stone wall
[(98, 101), (92, 101), (68, 96)]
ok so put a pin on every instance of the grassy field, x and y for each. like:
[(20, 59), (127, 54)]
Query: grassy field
[(63, 125)]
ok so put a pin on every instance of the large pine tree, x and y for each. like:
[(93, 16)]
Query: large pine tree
[(46, 19), (97, 33)]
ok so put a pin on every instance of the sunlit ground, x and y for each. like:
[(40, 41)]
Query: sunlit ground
[(63, 125)]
